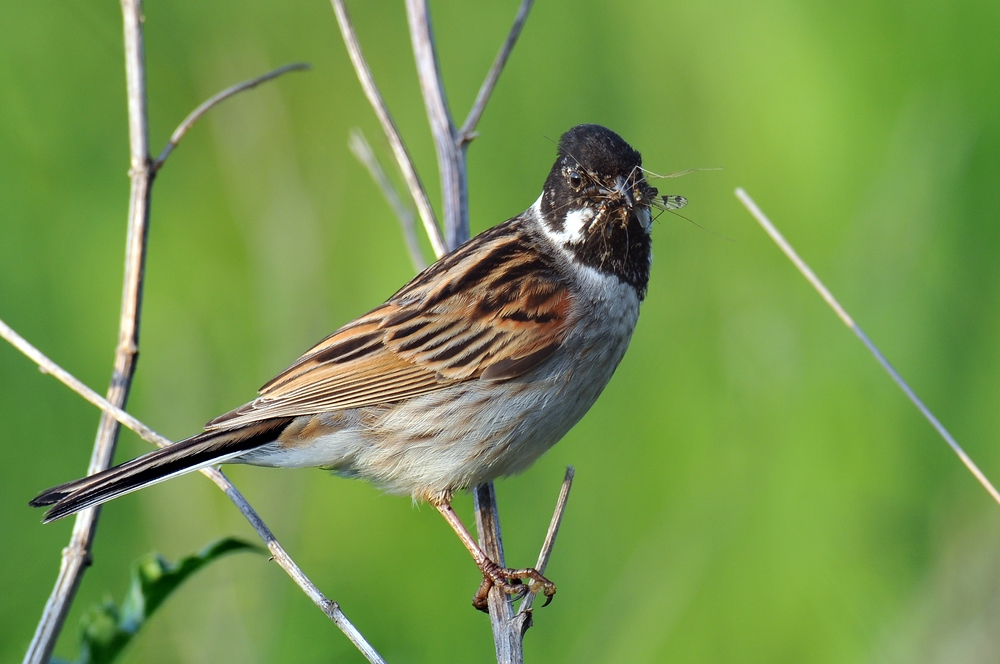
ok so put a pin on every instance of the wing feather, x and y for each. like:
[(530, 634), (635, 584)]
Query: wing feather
[(491, 310)]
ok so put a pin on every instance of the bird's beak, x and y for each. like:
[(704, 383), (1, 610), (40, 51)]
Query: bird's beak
[(621, 187)]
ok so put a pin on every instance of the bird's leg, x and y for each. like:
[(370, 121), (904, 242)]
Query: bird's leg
[(507, 579)]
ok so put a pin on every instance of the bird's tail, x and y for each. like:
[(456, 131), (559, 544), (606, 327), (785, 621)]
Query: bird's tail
[(205, 449)]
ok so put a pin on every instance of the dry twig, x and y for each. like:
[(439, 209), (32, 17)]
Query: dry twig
[(329, 607), (389, 127), (508, 629), (215, 100), (550, 535), (450, 155), (449, 141), (363, 152), (827, 296), (468, 131)]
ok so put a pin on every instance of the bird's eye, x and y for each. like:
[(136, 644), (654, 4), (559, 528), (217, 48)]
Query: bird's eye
[(575, 179)]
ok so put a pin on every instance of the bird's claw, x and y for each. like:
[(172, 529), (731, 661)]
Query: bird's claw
[(510, 582)]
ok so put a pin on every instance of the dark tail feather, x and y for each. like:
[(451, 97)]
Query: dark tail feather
[(195, 453)]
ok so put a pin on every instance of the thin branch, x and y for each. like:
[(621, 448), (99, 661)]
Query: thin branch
[(468, 131), (76, 556), (451, 158), (389, 127), (849, 322), (46, 365), (508, 629), (329, 607), (280, 556), (207, 105), (551, 534), (363, 152)]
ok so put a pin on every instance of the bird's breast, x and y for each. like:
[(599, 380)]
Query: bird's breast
[(477, 430)]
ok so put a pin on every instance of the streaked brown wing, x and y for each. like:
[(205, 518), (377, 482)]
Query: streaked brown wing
[(491, 310)]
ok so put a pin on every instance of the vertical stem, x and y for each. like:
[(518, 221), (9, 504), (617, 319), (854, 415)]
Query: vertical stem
[(451, 158), (76, 556), (508, 629)]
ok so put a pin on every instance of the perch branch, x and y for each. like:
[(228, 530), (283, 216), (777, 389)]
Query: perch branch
[(451, 158), (363, 152), (508, 629), (208, 104), (329, 607), (76, 556), (468, 131), (811, 277), (389, 127), (550, 535)]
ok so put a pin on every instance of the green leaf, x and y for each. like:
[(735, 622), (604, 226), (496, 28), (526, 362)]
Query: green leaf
[(105, 629)]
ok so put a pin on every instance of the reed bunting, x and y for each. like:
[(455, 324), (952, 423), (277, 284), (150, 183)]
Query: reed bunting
[(469, 373)]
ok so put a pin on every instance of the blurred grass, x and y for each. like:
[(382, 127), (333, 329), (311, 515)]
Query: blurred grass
[(750, 487)]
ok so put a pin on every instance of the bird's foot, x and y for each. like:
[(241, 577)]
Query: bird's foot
[(510, 581)]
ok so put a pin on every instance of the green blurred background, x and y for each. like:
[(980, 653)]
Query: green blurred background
[(751, 487)]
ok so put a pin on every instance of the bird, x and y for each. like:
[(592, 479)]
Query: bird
[(468, 373)]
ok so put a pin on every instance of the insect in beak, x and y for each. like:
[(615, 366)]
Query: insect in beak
[(622, 191), (669, 202)]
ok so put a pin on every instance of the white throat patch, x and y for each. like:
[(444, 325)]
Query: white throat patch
[(573, 226)]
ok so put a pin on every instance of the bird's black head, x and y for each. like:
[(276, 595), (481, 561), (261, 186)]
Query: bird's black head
[(596, 204)]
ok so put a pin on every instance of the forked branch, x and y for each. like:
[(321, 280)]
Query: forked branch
[(450, 156), (508, 629), (449, 141), (550, 535)]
